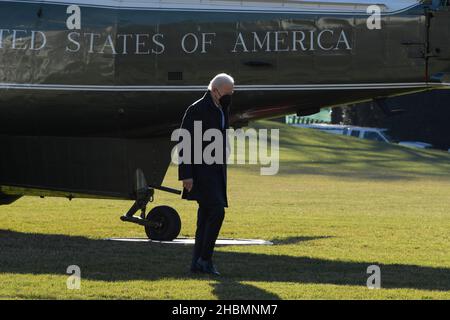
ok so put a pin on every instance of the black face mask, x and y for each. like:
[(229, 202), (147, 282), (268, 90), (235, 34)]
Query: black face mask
[(225, 101)]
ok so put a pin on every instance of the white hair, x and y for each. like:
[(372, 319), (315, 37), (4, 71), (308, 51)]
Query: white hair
[(220, 80)]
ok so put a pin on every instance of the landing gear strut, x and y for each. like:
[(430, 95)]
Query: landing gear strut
[(162, 223)]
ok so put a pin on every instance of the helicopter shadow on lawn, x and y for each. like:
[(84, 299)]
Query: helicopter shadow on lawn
[(24, 253)]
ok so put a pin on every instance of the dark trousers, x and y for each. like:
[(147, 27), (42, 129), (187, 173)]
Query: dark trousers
[(209, 222)]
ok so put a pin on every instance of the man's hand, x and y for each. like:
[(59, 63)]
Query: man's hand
[(188, 184)]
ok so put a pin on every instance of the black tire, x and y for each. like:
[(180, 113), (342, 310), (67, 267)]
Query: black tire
[(170, 224)]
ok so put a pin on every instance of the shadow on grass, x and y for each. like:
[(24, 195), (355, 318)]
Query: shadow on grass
[(233, 290), (22, 253), (311, 152), (296, 240), (377, 161)]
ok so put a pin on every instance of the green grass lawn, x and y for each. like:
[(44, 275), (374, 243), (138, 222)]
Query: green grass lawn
[(338, 205)]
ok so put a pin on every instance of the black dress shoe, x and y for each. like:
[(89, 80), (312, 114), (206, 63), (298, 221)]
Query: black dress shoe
[(207, 266)]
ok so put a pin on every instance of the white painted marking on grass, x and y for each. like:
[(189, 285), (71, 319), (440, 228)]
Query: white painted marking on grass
[(189, 241)]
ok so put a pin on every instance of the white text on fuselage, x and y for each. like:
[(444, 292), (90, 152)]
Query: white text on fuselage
[(189, 43)]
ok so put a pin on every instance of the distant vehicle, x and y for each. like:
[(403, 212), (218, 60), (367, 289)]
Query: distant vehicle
[(382, 135), (374, 134), (330, 128), (415, 144)]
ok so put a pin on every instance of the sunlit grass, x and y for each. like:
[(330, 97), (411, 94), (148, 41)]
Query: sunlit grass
[(338, 205)]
